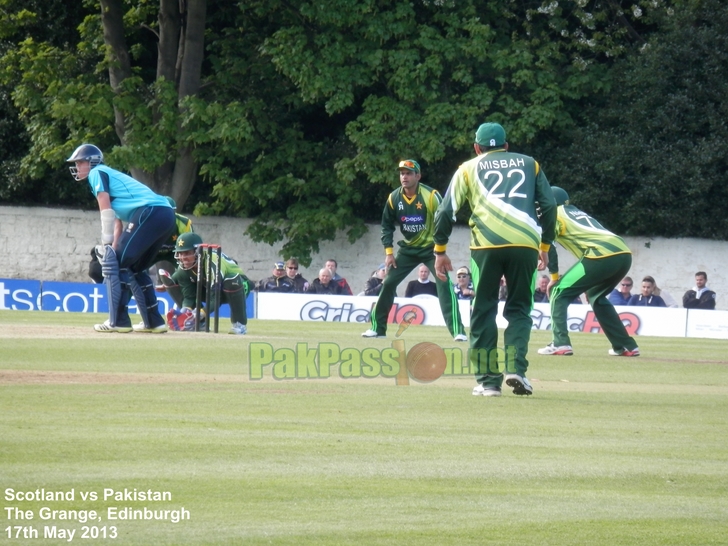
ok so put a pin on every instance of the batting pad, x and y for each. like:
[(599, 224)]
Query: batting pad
[(110, 270)]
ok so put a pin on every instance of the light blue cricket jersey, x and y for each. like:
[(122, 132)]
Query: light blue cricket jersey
[(126, 194)]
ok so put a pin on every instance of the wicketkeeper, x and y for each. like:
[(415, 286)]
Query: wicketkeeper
[(234, 286)]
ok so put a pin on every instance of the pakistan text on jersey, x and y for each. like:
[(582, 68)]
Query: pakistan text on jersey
[(413, 229), (501, 163)]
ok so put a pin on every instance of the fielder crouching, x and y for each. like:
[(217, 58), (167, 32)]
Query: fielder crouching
[(235, 286), (126, 253)]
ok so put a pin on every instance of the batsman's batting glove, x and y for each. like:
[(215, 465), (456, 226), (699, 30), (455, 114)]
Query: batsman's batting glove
[(107, 259), (100, 252)]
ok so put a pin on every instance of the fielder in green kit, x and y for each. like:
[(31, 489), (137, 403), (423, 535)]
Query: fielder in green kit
[(604, 260), (507, 239), (412, 207)]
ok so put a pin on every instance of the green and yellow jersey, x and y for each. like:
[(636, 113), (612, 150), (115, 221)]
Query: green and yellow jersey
[(166, 253), (584, 237), (503, 190), (415, 217)]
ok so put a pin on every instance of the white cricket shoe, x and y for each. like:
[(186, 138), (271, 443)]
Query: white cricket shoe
[(238, 329), (480, 390), (461, 337), (519, 383), (142, 329), (108, 329), (561, 350), (371, 333)]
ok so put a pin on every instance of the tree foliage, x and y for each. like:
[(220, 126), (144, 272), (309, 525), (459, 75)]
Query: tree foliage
[(385, 81), (25, 177), (98, 88), (650, 159), (295, 113)]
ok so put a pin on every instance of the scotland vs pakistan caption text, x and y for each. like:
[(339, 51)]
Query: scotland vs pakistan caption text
[(66, 514)]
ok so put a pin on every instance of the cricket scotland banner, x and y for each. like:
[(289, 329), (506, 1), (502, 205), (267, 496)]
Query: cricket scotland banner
[(77, 297)]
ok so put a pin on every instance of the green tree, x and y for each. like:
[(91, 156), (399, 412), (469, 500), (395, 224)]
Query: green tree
[(295, 113), (150, 120), (94, 86), (55, 23), (414, 79), (650, 157)]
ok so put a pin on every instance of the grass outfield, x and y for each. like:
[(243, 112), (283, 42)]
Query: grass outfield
[(607, 450)]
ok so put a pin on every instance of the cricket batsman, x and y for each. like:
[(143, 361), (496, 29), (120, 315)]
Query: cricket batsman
[(127, 252)]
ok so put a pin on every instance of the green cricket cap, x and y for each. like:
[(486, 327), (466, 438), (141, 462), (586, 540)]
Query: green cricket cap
[(560, 195), (409, 164), (490, 134)]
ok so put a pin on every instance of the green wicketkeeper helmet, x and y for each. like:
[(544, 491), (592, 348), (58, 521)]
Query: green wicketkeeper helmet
[(187, 241), (562, 198)]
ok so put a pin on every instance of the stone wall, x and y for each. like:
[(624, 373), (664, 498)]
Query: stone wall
[(54, 244)]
